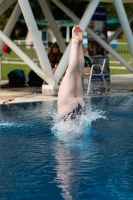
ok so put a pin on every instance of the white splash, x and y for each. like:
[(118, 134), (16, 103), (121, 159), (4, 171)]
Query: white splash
[(72, 129), (6, 124)]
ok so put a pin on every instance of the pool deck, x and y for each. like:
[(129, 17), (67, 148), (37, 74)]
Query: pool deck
[(118, 84)]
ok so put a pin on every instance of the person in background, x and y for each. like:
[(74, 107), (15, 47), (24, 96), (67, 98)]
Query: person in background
[(54, 55), (87, 61), (70, 95), (102, 51)]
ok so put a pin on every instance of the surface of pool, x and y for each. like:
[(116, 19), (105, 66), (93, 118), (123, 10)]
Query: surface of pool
[(38, 163)]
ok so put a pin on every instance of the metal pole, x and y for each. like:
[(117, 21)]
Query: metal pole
[(119, 30), (67, 33), (83, 24), (124, 23), (31, 52), (25, 58), (42, 55), (5, 5), (64, 60), (0, 67), (52, 24), (11, 23)]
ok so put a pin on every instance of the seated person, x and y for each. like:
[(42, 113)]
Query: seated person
[(54, 55), (87, 61)]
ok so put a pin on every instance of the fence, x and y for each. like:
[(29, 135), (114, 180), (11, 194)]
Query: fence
[(9, 60), (27, 47), (123, 50)]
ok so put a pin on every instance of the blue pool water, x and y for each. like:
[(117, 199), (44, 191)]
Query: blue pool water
[(94, 161)]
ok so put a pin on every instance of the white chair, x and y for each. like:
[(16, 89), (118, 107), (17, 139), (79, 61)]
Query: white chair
[(101, 68)]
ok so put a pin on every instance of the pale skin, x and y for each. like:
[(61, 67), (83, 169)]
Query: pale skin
[(70, 91)]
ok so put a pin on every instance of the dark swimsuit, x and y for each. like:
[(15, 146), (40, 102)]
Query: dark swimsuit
[(73, 114)]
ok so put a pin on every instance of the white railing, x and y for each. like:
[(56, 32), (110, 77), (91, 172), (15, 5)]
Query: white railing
[(27, 47), (123, 50), (120, 47)]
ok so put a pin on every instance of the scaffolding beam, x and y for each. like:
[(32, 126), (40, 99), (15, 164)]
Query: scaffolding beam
[(52, 24), (83, 24), (33, 30)]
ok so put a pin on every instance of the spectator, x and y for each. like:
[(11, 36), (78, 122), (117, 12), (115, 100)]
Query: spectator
[(54, 55), (87, 61)]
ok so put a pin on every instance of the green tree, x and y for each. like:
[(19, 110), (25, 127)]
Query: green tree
[(76, 6)]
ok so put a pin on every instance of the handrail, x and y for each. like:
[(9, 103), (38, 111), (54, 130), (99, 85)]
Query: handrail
[(101, 74)]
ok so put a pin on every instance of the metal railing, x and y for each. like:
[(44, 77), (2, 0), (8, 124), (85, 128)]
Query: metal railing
[(123, 50), (27, 47)]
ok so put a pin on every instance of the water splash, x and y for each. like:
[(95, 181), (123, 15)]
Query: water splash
[(73, 129), (6, 124)]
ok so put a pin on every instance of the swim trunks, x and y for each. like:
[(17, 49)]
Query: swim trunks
[(73, 114)]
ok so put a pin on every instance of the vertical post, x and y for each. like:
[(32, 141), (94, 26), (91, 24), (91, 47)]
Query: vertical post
[(52, 24), (124, 23), (31, 51), (30, 21), (119, 30), (83, 24), (67, 33), (85, 39), (0, 67)]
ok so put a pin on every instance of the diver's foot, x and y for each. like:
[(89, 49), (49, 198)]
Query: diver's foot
[(77, 34)]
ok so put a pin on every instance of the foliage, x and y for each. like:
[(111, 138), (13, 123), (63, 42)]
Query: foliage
[(112, 13), (37, 11), (76, 6), (3, 21), (4, 18)]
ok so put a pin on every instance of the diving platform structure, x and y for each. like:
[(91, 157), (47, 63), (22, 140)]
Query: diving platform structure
[(46, 72)]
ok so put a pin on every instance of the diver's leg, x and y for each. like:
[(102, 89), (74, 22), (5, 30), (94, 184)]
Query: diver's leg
[(78, 88), (66, 95)]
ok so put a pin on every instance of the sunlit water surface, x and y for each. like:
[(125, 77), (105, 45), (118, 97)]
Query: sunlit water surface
[(87, 159)]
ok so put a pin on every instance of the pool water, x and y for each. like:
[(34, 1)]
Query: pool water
[(38, 161)]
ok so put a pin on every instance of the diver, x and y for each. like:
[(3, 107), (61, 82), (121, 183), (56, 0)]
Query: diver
[(70, 95)]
